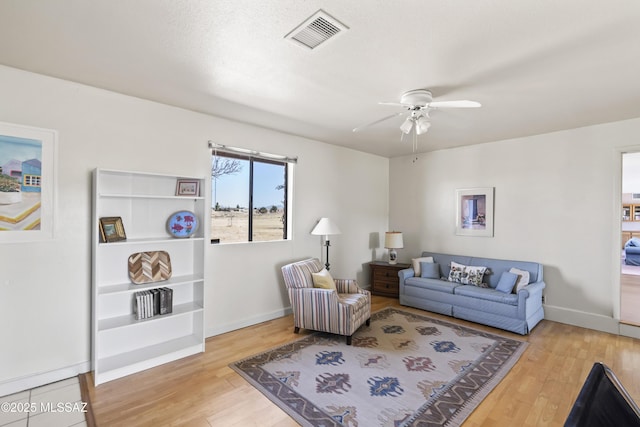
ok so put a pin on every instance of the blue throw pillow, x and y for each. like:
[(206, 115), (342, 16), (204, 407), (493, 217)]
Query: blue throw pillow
[(507, 282), (430, 270), (634, 241)]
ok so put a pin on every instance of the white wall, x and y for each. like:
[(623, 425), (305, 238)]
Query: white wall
[(556, 202), (45, 288)]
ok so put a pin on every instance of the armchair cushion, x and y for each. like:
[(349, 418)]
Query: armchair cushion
[(323, 280)]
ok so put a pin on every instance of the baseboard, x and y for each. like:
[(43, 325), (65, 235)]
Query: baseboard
[(232, 326), (629, 330), (582, 319), (27, 382)]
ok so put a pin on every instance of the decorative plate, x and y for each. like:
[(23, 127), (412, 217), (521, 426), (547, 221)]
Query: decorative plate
[(182, 224), (148, 267)]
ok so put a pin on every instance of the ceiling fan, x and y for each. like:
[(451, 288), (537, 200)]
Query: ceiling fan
[(419, 102)]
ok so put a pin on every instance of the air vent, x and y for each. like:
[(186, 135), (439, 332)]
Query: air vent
[(316, 30), (635, 196)]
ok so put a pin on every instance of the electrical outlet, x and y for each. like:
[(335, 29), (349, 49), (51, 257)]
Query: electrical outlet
[(543, 299)]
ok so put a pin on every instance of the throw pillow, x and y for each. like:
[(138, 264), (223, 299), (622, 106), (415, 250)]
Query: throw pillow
[(323, 280), (416, 264), (466, 275), (430, 270), (507, 282), (634, 241), (523, 279)]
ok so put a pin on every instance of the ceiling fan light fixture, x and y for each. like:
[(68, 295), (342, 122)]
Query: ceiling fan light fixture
[(422, 125), (407, 125)]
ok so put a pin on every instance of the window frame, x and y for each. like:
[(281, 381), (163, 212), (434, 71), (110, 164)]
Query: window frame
[(251, 159)]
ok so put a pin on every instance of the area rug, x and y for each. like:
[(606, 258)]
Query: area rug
[(405, 369)]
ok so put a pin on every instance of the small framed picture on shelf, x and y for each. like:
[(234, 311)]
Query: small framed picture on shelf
[(188, 187), (112, 229)]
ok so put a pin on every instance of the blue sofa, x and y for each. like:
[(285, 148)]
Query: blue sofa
[(632, 251), (516, 312)]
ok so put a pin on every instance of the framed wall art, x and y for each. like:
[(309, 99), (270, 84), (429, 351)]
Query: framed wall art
[(112, 229), (27, 183), (474, 212), (188, 187)]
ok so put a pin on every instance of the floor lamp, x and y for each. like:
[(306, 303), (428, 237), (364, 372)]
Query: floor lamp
[(325, 227)]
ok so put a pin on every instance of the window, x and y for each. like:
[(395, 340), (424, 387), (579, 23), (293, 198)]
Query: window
[(31, 180), (248, 197)]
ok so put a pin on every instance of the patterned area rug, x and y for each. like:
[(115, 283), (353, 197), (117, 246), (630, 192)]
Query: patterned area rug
[(403, 370)]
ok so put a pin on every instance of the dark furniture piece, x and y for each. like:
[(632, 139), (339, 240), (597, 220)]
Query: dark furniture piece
[(603, 401), (384, 278)]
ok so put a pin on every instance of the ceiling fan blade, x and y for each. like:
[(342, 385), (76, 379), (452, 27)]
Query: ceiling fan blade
[(454, 104), (396, 104), (359, 128)]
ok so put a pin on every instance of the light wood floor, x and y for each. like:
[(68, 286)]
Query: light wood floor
[(203, 391)]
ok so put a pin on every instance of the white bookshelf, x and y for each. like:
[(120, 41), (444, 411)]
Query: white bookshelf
[(122, 345)]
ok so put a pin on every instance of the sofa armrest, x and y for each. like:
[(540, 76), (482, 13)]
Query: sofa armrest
[(532, 290), (405, 274), (348, 286)]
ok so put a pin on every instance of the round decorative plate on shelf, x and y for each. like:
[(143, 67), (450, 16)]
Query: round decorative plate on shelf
[(182, 224)]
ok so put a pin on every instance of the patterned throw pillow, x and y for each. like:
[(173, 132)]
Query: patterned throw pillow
[(467, 275)]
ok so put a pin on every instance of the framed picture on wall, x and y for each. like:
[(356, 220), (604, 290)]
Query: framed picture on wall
[(27, 183), (474, 212), (188, 187)]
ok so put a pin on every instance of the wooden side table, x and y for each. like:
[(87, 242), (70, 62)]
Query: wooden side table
[(384, 278)]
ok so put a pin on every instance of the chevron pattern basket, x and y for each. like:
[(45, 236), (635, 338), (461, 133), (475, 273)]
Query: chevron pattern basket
[(148, 267)]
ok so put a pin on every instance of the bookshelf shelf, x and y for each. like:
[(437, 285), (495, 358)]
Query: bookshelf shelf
[(130, 288), (130, 320), (163, 240), (121, 344), (127, 363)]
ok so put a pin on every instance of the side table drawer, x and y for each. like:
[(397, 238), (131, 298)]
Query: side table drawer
[(386, 288), (385, 275)]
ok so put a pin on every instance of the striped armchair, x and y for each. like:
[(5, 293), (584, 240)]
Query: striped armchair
[(325, 310)]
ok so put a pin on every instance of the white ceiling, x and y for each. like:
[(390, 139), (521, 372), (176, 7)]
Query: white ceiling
[(535, 65)]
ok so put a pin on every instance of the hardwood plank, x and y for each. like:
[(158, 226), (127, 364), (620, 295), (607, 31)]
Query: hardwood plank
[(202, 390)]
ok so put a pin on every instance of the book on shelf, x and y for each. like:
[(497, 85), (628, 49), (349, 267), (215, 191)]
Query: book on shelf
[(153, 302), (166, 301)]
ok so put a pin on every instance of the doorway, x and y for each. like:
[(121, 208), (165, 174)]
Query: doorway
[(630, 240)]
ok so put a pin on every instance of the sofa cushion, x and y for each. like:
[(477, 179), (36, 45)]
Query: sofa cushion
[(432, 284), (487, 294), (507, 282), (323, 280), (430, 270), (634, 241), (415, 263), (465, 274), (523, 279)]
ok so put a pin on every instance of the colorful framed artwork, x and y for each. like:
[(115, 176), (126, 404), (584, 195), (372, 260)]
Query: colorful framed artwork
[(112, 229), (27, 183), (474, 212), (188, 187)]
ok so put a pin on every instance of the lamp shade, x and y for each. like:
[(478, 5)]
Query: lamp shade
[(393, 240), (407, 125), (422, 125), (325, 227)]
